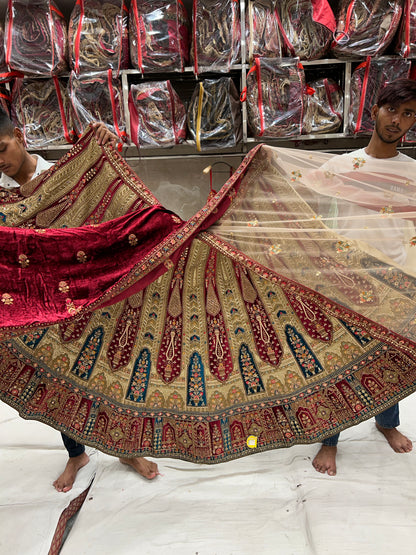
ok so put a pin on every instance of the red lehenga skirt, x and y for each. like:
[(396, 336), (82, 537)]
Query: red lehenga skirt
[(251, 326)]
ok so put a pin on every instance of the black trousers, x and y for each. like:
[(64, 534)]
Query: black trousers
[(74, 449)]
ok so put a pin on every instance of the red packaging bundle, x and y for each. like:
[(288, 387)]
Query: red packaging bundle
[(98, 36), (307, 27), (41, 109), (214, 114), (263, 34), (159, 35), (365, 27), (324, 106), (157, 115), (275, 97), (216, 34), (97, 97), (4, 99), (3, 66), (36, 38), (407, 37), (367, 81)]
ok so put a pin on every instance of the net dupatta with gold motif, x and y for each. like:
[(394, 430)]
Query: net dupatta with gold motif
[(254, 325)]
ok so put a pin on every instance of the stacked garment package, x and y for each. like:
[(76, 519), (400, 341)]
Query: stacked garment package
[(59, 74)]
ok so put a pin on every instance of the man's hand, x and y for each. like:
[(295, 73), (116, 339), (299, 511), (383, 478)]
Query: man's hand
[(103, 135)]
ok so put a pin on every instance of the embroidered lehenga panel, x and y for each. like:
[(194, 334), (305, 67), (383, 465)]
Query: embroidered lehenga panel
[(141, 334)]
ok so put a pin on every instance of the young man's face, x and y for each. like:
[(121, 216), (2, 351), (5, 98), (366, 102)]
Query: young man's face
[(12, 153), (393, 122)]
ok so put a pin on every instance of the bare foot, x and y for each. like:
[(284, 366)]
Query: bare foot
[(66, 480), (145, 468), (397, 441), (324, 461)]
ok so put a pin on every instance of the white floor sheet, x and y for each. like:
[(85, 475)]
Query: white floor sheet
[(267, 503)]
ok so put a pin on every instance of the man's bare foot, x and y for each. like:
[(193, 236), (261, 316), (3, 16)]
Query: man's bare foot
[(397, 441), (325, 460), (145, 468), (66, 480)]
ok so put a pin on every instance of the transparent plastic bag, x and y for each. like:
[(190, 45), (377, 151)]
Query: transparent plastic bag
[(406, 45), (275, 97), (263, 34), (216, 35), (4, 70), (5, 99), (41, 109), (367, 80), (324, 107), (157, 115), (98, 36), (159, 35), (365, 27), (214, 114), (37, 35), (307, 27), (97, 97)]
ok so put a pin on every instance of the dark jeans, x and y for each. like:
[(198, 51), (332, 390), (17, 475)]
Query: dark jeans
[(386, 419), (74, 449)]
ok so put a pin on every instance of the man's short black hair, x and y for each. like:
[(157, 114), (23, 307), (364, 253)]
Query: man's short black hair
[(397, 92), (6, 124)]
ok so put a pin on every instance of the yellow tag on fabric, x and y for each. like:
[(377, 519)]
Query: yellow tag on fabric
[(252, 442)]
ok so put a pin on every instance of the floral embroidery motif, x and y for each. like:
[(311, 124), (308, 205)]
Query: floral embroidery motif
[(7, 299), (366, 297), (386, 210), (253, 223), (23, 261), (358, 163), (81, 257), (413, 242), (196, 382), (70, 306), (63, 287), (88, 355), (251, 377), (140, 378), (296, 175), (133, 241), (275, 249), (343, 246), (305, 357)]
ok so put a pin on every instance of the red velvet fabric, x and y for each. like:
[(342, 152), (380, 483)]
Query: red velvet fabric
[(60, 271)]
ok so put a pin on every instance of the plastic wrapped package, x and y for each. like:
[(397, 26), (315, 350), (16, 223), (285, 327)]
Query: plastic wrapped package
[(406, 45), (157, 115), (410, 136), (324, 107), (4, 99), (275, 97), (214, 114), (159, 35), (307, 27), (37, 38), (97, 97), (263, 34), (41, 109), (98, 36), (365, 27), (367, 80), (4, 70), (216, 35)]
